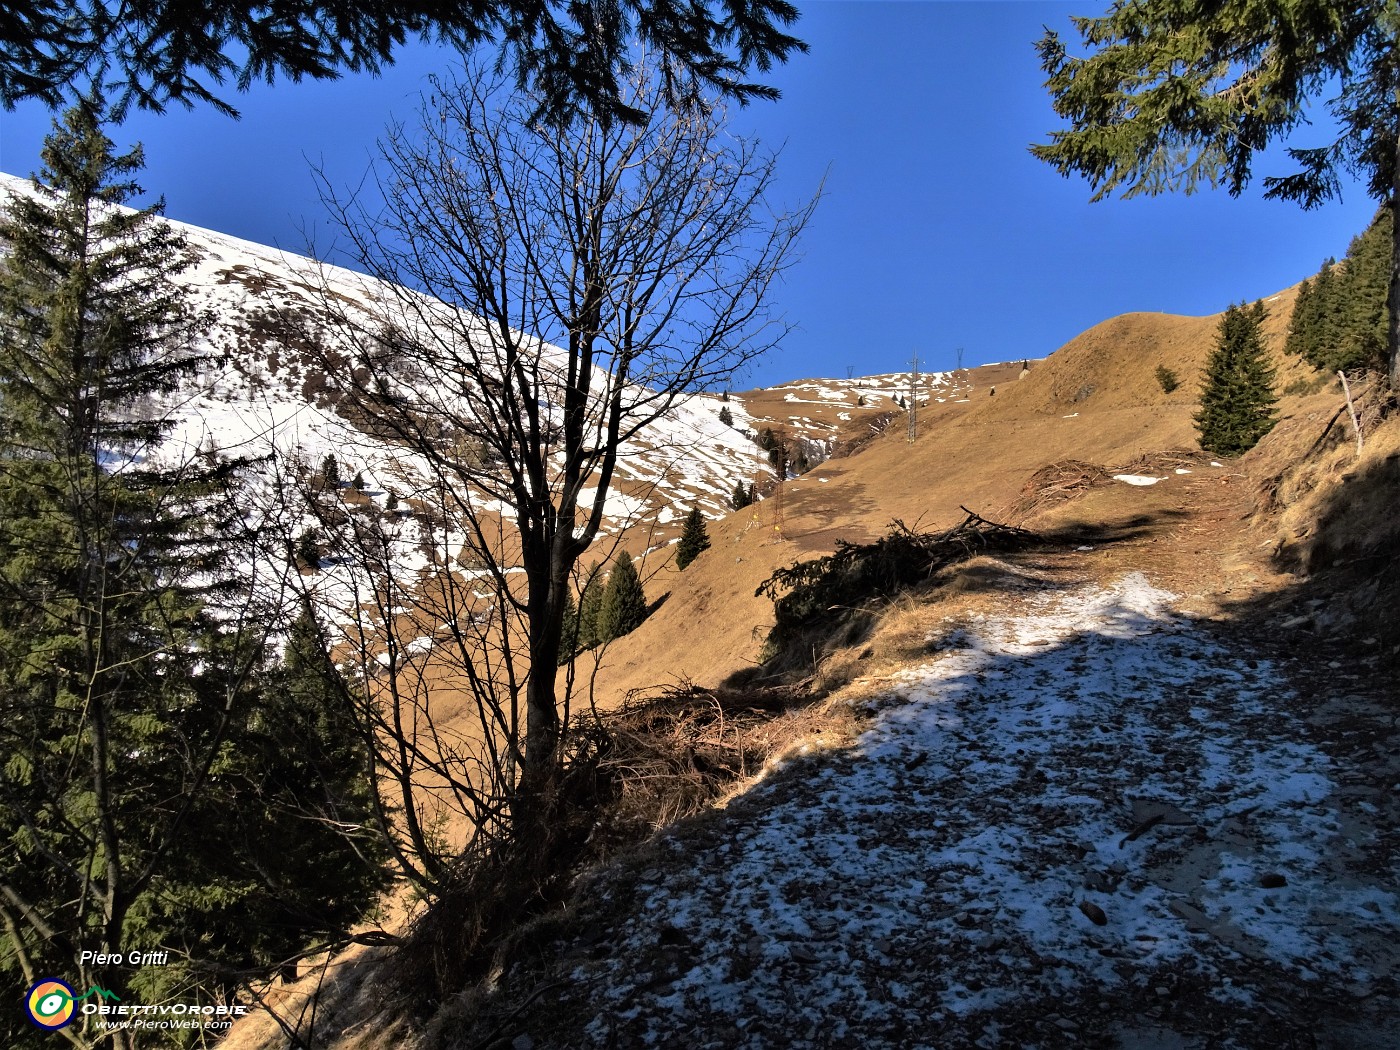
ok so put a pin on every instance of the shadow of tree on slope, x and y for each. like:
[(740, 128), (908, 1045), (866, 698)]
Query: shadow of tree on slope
[(1133, 767)]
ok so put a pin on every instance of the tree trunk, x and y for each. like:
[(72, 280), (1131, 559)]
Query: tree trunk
[(546, 597)]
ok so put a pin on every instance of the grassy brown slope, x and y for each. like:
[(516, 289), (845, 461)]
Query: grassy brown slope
[(1095, 399)]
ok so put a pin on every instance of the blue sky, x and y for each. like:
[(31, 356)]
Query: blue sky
[(937, 231)]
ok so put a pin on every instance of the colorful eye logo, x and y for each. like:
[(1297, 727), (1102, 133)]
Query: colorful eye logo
[(50, 1004)]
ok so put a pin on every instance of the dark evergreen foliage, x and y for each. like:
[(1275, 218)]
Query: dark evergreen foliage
[(330, 472), (1303, 327), (624, 605), (1173, 96), (303, 853), (725, 416), (569, 631), (1340, 316), (1238, 396), (308, 552), (694, 539), (1167, 379), (156, 51), (137, 804), (742, 496), (590, 610)]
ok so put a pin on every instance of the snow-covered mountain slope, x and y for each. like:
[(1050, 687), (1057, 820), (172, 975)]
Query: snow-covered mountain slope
[(266, 394)]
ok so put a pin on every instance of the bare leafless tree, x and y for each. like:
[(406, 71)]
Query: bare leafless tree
[(543, 295)]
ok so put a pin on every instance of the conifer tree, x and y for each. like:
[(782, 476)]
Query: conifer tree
[(305, 852), (725, 416), (742, 496), (590, 610), (1302, 325), (89, 328), (778, 459), (1339, 317), (330, 472), (624, 602), (1175, 96), (694, 539), (569, 632), (1238, 397), (131, 811), (308, 552)]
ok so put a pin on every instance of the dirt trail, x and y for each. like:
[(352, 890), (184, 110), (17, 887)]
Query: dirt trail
[(1091, 817)]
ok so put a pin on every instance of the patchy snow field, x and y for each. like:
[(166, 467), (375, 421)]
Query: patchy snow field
[(1084, 824)]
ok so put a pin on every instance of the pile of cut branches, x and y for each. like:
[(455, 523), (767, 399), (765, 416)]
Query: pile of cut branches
[(670, 756), (859, 573), (1057, 483), (1167, 459), (626, 774)]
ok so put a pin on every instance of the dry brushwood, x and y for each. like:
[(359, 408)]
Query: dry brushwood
[(1057, 483), (1167, 459), (670, 756), (859, 573), (628, 773)]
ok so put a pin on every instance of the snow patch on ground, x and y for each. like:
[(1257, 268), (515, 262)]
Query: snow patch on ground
[(1072, 805)]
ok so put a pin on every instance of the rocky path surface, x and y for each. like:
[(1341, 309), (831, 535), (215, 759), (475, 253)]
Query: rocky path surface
[(1088, 820)]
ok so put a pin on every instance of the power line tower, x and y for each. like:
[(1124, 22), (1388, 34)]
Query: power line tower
[(850, 372), (914, 400)]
